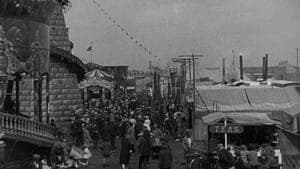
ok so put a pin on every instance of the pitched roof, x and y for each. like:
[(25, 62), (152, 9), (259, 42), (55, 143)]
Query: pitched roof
[(70, 58), (246, 99)]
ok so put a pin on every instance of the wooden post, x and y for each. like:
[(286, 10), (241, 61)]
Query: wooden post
[(241, 68)]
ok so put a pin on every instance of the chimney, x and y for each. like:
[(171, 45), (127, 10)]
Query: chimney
[(223, 71), (264, 69), (266, 66), (241, 68)]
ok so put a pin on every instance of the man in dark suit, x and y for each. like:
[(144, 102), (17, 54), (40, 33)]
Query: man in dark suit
[(226, 159)]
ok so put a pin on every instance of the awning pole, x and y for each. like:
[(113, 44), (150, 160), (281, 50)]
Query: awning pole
[(225, 124)]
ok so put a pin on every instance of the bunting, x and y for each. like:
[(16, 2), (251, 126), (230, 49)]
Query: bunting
[(123, 30)]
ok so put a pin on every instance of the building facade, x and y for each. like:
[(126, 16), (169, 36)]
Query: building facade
[(66, 70)]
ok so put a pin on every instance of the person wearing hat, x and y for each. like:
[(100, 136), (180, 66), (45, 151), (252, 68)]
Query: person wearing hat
[(165, 155), (188, 145), (226, 159), (36, 162), (125, 151), (156, 135), (144, 148), (106, 151), (147, 123), (196, 163)]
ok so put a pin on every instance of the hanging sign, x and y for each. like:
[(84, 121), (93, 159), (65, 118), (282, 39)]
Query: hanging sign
[(227, 129)]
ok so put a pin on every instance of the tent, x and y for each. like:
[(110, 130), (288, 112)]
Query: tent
[(98, 74), (245, 118), (289, 142), (95, 82), (97, 77), (250, 119)]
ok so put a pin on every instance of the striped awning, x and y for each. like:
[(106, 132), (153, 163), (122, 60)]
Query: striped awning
[(95, 82), (251, 118), (98, 74)]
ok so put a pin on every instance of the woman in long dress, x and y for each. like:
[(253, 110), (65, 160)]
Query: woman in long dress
[(126, 150)]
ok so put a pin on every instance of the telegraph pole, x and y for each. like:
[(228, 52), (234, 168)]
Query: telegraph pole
[(91, 52), (191, 59)]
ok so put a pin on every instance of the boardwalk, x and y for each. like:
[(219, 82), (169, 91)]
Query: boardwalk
[(96, 161)]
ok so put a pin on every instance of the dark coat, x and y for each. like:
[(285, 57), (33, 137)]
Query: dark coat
[(144, 145), (240, 163), (125, 151), (106, 148), (165, 158), (226, 159), (113, 129), (105, 132)]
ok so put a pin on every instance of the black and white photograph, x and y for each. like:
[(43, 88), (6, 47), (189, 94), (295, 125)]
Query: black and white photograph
[(149, 84)]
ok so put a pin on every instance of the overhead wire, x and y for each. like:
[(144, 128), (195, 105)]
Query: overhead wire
[(139, 43)]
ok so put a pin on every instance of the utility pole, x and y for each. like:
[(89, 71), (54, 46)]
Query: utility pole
[(191, 59), (91, 52), (183, 78)]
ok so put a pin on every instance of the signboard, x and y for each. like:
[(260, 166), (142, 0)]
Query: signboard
[(229, 129)]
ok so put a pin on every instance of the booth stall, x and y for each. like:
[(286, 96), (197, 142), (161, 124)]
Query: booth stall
[(241, 128), (97, 85), (244, 131)]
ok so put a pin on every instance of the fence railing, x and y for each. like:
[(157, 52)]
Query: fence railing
[(25, 129)]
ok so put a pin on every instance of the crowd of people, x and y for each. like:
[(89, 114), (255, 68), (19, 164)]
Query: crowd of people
[(145, 131), (263, 157), (141, 128)]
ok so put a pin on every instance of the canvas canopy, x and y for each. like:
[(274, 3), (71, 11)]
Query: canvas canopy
[(96, 77), (98, 73), (95, 82), (242, 118)]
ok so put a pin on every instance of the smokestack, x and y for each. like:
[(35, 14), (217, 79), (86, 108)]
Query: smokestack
[(264, 69), (266, 66), (223, 71), (241, 68)]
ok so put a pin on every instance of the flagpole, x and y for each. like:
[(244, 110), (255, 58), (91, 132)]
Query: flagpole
[(91, 52)]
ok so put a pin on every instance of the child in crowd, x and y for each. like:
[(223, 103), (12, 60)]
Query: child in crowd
[(165, 155), (106, 150)]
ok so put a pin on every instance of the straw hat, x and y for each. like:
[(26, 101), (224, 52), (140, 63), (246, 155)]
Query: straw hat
[(36, 156)]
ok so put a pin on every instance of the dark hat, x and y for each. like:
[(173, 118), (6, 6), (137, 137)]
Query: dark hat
[(36, 156)]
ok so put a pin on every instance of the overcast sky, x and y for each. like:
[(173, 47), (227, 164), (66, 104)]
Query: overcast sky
[(173, 27)]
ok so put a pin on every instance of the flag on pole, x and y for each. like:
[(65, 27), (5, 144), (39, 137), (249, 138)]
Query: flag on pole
[(89, 48)]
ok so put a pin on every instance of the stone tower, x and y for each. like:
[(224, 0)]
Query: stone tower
[(59, 33)]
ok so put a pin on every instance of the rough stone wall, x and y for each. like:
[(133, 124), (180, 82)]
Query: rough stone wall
[(64, 93), (59, 33), (26, 96)]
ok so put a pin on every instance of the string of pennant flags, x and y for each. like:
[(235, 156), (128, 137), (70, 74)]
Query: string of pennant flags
[(124, 31)]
